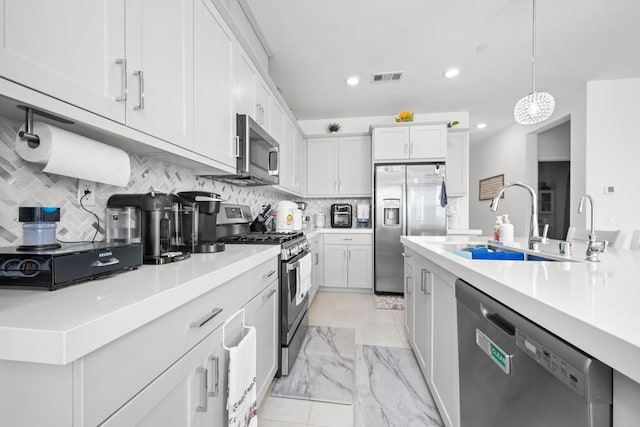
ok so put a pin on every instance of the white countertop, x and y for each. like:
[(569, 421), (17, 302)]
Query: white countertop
[(61, 326), (594, 306)]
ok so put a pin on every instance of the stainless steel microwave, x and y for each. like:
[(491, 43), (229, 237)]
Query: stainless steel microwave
[(257, 153)]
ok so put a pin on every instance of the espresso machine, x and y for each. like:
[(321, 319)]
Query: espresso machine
[(154, 219), (203, 220)]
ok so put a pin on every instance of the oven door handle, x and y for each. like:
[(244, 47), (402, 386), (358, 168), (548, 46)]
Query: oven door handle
[(294, 266)]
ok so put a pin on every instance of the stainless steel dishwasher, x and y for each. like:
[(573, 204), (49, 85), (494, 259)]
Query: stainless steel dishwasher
[(514, 373)]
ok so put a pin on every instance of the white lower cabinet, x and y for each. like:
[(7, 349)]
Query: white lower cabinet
[(348, 261), (431, 324), (173, 399), (262, 313)]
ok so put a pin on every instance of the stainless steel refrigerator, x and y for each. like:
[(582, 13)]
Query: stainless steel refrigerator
[(408, 201)]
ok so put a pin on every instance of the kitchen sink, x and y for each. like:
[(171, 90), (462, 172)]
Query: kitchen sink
[(496, 252)]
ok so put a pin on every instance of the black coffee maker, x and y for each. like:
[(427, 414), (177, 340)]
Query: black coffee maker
[(163, 234), (203, 220)]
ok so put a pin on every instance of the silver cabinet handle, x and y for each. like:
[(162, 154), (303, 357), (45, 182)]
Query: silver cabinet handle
[(110, 261), (349, 254), (269, 295), (140, 75), (203, 386), (258, 114), (426, 288), (408, 291), (271, 273), (347, 239), (406, 148), (215, 384), (236, 140), (410, 148), (123, 69), (206, 318), (317, 259)]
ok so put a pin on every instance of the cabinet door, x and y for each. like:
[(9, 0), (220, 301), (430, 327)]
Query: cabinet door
[(315, 247), (67, 49), (391, 143), (409, 290), (322, 159), (355, 166), (215, 80), (458, 163), (262, 313), (360, 271), (299, 155), (215, 361), (445, 348), (335, 266), (159, 46), (277, 121), (428, 142), (263, 103), (170, 400), (245, 84), (287, 154), (422, 319)]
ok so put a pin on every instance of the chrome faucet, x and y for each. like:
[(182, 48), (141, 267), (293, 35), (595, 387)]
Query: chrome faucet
[(534, 235), (593, 246)]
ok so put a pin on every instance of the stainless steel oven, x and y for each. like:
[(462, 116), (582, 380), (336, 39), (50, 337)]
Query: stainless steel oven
[(294, 317)]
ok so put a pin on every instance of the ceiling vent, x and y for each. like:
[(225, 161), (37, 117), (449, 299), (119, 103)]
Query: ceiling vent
[(392, 76)]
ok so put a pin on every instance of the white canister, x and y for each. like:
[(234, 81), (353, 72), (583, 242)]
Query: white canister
[(297, 220), (284, 216), (320, 220)]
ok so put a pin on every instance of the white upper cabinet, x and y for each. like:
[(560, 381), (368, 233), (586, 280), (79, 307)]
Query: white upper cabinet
[(322, 170), (354, 165), (351, 177), (277, 121), (287, 167), (246, 85), (159, 47), (298, 145), (263, 103), (419, 142), (391, 143), (73, 50), (458, 163), (215, 83)]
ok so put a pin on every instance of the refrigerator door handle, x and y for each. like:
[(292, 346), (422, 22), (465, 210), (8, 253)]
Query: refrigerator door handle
[(404, 209)]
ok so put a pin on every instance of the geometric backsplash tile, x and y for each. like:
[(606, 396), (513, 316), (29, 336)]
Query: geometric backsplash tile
[(24, 184)]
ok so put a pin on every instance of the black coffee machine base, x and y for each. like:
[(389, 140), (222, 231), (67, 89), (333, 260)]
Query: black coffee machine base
[(166, 259), (205, 248)]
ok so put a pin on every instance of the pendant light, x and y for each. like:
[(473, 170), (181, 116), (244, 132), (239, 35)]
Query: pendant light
[(537, 106)]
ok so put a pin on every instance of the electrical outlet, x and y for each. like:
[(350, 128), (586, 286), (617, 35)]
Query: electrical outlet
[(83, 188)]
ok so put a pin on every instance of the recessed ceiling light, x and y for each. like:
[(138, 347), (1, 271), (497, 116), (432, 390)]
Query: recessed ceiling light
[(451, 73), (482, 125), (353, 80)]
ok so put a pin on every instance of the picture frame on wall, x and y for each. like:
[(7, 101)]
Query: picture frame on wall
[(489, 187)]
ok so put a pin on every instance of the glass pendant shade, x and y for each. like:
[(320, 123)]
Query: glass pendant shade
[(534, 108)]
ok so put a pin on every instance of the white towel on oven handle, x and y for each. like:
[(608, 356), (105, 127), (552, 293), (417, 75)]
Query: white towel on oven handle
[(303, 278), (241, 398)]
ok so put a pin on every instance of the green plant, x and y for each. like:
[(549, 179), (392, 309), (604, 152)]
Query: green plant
[(453, 123), (333, 127)]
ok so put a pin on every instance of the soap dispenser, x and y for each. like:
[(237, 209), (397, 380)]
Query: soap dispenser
[(506, 230)]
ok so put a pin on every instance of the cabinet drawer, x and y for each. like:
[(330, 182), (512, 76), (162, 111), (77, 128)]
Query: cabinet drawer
[(347, 239), (113, 374), (263, 275)]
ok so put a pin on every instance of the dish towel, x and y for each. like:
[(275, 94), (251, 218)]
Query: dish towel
[(443, 194), (241, 400), (304, 278)]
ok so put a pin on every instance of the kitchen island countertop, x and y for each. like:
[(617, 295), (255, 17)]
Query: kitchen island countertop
[(592, 305), (61, 326)]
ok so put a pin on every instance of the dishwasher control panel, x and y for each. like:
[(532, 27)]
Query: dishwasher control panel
[(560, 368)]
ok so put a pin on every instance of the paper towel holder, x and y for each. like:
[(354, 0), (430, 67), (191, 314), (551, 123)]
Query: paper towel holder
[(33, 140)]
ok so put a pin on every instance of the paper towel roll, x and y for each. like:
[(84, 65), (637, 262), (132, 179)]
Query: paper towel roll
[(66, 153)]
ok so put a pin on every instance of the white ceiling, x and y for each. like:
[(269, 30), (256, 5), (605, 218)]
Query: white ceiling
[(317, 44)]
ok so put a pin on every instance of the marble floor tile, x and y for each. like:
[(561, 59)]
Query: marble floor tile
[(273, 423), (324, 368), (331, 415), (380, 316), (288, 410), (391, 391)]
